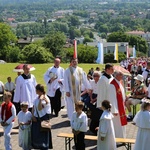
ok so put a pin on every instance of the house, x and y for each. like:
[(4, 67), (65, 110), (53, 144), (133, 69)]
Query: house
[(10, 19), (145, 35), (109, 47), (62, 13), (93, 15), (138, 33), (27, 40)]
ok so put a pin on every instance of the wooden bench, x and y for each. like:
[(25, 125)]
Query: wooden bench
[(13, 131), (69, 137)]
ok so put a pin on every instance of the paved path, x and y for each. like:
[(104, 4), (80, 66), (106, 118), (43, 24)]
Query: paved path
[(61, 124)]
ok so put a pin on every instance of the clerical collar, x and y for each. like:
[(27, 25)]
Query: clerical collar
[(56, 67), (26, 76), (107, 75)]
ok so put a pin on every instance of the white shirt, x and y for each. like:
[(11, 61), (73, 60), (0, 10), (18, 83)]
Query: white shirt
[(52, 87), (79, 123), (13, 111), (134, 68), (1, 85), (94, 86), (46, 107), (102, 87), (25, 90), (144, 74), (9, 86), (24, 117)]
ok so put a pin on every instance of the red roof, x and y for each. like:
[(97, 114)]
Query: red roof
[(11, 19)]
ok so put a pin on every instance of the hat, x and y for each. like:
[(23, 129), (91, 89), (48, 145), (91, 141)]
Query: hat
[(145, 100), (24, 104), (139, 78)]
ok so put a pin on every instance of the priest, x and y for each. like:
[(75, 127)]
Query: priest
[(74, 77), (117, 98)]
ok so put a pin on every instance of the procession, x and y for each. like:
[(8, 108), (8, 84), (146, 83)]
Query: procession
[(99, 102)]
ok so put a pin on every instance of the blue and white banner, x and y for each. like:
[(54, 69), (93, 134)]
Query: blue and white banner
[(100, 57), (134, 52)]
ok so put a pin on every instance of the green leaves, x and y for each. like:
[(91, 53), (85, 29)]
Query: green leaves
[(54, 41), (34, 53)]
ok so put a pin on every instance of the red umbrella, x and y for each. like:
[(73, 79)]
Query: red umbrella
[(19, 68), (122, 70)]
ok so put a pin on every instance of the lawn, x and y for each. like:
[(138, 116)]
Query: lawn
[(7, 70)]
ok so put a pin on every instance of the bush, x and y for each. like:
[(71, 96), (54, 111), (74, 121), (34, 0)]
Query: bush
[(36, 54), (86, 54), (109, 58), (13, 54)]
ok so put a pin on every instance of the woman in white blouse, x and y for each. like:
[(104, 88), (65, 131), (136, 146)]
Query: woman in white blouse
[(41, 111)]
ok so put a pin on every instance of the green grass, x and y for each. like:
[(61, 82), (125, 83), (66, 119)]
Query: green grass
[(7, 70)]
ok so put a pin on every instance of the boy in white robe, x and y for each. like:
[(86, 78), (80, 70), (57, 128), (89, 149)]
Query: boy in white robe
[(24, 121), (142, 121), (106, 133), (79, 123)]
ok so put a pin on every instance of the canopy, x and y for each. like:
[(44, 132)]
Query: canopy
[(19, 68), (122, 70)]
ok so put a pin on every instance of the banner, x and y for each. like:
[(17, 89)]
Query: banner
[(116, 52), (127, 51), (75, 50), (100, 57), (134, 52)]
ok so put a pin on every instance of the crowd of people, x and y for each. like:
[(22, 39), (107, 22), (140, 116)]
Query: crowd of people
[(102, 93)]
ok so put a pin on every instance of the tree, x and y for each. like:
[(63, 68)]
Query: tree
[(34, 53), (87, 39), (118, 37), (7, 39), (74, 21), (13, 54), (103, 35), (139, 42), (103, 28), (54, 41), (86, 54), (73, 32)]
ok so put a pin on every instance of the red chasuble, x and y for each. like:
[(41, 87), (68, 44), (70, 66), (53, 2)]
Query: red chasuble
[(120, 102)]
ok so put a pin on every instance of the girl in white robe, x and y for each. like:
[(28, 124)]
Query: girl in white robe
[(142, 121), (24, 121), (106, 134)]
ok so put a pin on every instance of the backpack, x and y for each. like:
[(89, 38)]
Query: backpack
[(148, 76)]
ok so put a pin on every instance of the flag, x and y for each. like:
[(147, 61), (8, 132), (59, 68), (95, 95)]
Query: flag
[(134, 52), (100, 57), (116, 52), (127, 51), (75, 49)]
